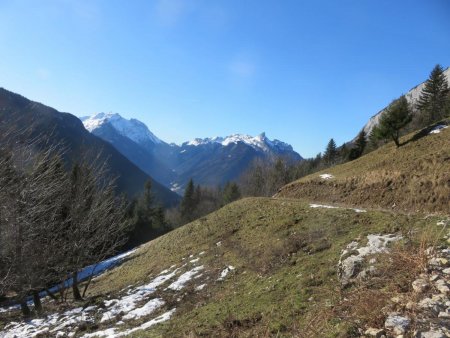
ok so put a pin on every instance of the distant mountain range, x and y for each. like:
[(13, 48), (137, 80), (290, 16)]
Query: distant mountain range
[(66, 130), (209, 161)]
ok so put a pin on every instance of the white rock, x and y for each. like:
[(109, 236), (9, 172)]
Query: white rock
[(428, 303), (434, 277), (397, 323), (350, 267), (442, 286), (420, 285), (373, 332), (444, 314), (430, 334)]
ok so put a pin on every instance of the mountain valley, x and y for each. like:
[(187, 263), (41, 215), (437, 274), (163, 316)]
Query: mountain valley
[(209, 162)]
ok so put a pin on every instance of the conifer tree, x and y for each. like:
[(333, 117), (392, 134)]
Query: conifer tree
[(231, 193), (188, 203), (434, 98), (360, 146), (396, 117), (148, 219), (330, 152)]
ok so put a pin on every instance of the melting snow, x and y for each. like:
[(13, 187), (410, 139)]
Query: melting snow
[(184, 278), (323, 206), (438, 129), (129, 302), (112, 332), (359, 210), (334, 207), (36, 327), (144, 310), (225, 272), (136, 303), (200, 287), (326, 176)]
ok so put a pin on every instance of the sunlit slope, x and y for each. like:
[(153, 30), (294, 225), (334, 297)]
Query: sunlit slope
[(284, 254), (414, 177)]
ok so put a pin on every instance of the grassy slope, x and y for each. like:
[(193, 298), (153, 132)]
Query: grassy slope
[(284, 252), (415, 177)]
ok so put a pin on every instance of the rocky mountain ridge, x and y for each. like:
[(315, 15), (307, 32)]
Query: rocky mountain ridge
[(209, 161)]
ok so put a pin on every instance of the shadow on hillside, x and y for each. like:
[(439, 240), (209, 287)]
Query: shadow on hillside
[(425, 131)]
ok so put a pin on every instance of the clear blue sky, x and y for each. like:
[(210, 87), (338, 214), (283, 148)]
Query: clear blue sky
[(302, 71)]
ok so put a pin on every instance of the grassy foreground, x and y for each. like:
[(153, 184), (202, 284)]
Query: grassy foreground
[(285, 255)]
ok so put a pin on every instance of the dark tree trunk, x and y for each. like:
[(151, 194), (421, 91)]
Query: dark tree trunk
[(395, 138), (25, 309), (51, 295), (76, 290), (37, 302), (89, 282)]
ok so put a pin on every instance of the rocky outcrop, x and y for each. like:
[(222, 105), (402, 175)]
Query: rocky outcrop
[(424, 312), (352, 261)]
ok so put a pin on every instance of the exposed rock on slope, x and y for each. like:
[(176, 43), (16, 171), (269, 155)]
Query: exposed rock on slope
[(412, 96)]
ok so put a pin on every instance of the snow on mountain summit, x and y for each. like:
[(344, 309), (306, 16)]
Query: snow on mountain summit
[(132, 128), (259, 142)]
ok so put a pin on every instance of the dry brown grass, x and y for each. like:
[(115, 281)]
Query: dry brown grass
[(414, 177), (368, 302)]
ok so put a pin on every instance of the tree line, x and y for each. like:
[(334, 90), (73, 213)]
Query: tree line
[(199, 201)]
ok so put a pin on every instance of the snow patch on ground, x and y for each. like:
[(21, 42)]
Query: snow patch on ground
[(112, 332), (323, 206), (225, 272), (200, 287), (129, 302), (145, 310), (326, 176), (438, 129), (133, 304), (334, 207), (359, 210), (51, 325), (184, 278)]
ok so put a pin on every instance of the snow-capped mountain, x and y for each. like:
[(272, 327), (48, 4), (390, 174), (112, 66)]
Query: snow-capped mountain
[(260, 142), (67, 131), (209, 161), (132, 128)]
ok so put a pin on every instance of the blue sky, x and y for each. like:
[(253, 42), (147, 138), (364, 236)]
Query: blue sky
[(302, 71)]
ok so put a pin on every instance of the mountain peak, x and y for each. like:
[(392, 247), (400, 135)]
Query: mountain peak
[(132, 128), (260, 142)]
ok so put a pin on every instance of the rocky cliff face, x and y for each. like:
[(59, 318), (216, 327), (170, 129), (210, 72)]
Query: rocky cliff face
[(412, 96)]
